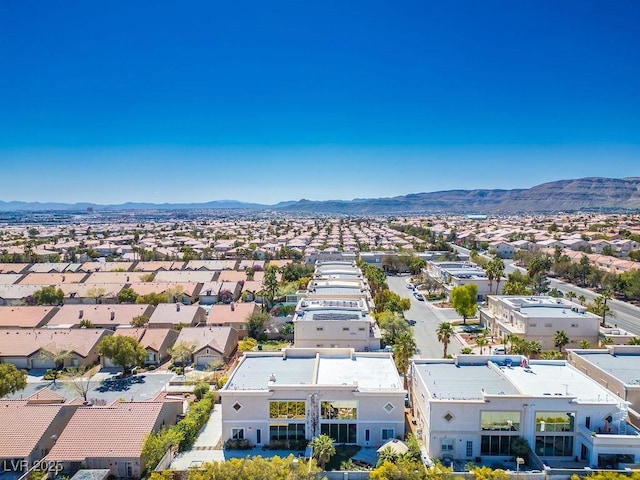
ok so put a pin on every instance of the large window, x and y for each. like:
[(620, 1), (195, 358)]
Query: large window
[(500, 421), (286, 431), (340, 410), (287, 409), (388, 433), (237, 433), (496, 444), (340, 432), (555, 421), (554, 445)]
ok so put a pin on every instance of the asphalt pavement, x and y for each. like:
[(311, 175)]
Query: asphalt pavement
[(427, 318)]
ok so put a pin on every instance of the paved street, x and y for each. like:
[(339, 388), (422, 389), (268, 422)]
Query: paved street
[(427, 320)]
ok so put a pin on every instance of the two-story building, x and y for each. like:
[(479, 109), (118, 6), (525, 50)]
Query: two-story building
[(297, 394)]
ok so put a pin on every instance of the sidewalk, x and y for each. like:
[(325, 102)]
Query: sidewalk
[(204, 448)]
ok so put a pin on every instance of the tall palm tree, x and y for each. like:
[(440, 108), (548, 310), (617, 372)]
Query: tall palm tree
[(606, 295), (323, 449), (482, 342), (570, 295), (560, 339), (444, 333), (403, 349)]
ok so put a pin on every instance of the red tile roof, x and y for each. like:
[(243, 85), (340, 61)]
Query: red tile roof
[(22, 425), (115, 431)]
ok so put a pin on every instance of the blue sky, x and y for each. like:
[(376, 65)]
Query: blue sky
[(259, 101)]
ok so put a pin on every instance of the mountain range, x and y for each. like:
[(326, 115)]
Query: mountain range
[(587, 194)]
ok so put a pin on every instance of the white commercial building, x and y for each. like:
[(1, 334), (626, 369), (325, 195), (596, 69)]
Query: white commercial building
[(335, 323), (457, 274), (355, 398), (475, 407), (539, 318)]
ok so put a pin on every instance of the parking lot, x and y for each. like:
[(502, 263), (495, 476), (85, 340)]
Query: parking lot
[(104, 388)]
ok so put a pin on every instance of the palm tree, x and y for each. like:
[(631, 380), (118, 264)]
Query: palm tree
[(444, 332), (535, 348), (584, 344), (495, 271), (570, 295), (403, 349), (560, 339), (634, 341), (387, 455), (509, 342), (582, 299), (323, 449), (606, 341), (606, 295), (482, 342)]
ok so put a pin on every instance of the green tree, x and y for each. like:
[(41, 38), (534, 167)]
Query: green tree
[(152, 298), (247, 344), (12, 379), (123, 351), (270, 285), (404, 469), (634, 341), (403, 349), (560, 339), (127, 295), (415, 264), (139, 321), (464, 300), (323, 449), (157, 444), (256, 324), (444, 333), (48, 295), (392, 325), (182, 352)]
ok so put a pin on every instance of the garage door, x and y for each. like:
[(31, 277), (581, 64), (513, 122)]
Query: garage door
[(42, 362), (204, 360), (19, 362)]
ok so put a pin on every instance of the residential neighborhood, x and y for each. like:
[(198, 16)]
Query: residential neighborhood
[(293, 329)]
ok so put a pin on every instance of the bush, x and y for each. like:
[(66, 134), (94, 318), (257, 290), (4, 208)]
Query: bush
[(237, 444), (200, 389), (151, 367)]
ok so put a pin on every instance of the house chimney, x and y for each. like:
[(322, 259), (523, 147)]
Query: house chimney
[(80, 313), (177, 307), (233, 308)]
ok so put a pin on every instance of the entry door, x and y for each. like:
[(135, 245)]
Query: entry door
[(258, 436)]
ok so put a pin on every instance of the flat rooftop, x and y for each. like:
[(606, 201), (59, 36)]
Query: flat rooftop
[(328, 367), (466, 382), (327, 314), (556, 378), (624, 367), (504, 376)]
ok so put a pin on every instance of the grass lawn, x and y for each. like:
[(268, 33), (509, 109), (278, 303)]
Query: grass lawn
[(273, 345), (343, 452)]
